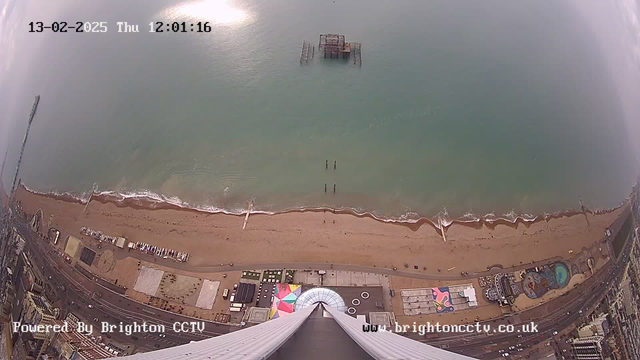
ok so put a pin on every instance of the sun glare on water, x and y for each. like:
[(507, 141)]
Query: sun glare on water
[(217, 12)]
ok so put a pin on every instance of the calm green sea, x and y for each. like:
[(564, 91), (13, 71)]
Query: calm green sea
[(467, 106)]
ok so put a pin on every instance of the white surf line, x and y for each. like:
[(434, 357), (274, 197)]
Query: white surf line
[(246, 218)]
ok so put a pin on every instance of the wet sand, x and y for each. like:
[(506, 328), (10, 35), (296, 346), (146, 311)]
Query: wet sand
[(319, 236)]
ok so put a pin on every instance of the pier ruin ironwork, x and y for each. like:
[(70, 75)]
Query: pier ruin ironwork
[(332, 46), (308, 50)]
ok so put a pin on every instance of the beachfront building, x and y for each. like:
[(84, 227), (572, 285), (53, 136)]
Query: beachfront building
[(597, 327), (588, 348), (74, 345), (314, 330), (27, 274), (36, 311), (438, 299)]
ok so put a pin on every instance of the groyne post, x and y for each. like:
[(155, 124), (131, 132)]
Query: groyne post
[(84, 211), (93, 191), (334, 188), (335, 162), (246, 218), (584, 212), (442, 230)]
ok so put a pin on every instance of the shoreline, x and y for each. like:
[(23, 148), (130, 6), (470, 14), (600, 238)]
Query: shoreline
[(324, 237), (155, 202)]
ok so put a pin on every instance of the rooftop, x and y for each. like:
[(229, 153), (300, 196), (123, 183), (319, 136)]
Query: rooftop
[(85, 346), (40, 303)]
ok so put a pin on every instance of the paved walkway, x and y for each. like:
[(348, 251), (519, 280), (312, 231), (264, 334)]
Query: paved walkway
[(136, 254)]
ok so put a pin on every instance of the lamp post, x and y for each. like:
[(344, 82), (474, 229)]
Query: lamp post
[(4, 247)]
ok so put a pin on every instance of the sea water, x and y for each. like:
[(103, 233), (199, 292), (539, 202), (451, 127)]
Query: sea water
[(458, 107)]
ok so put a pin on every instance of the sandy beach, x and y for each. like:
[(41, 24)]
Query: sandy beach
[(212, 239)]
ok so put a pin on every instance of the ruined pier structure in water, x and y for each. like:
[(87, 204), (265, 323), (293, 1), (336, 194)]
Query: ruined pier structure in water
[(333, 45), (308, 49)]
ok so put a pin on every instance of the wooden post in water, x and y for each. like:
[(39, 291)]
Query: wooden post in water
[(335, 162), (334, 188), (325, 187), (326, 164)]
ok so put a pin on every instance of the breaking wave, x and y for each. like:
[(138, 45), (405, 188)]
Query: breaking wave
[(146, 199)]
